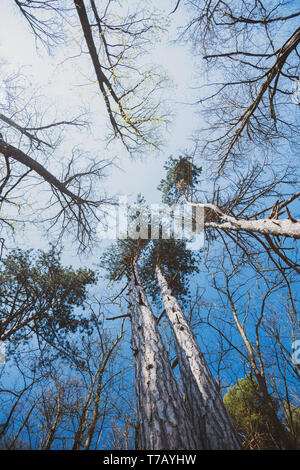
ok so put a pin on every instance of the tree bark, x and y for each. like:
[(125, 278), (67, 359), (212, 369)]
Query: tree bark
[(163, 418), (211, 421), (53, 427), (217, 219), (278, 227)]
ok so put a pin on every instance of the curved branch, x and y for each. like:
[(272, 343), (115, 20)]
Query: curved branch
[(9, 151)]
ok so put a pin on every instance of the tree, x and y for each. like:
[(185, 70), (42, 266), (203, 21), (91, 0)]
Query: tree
[(255, 298), (132, 98), (12, 401), (164, 422), (116, 39), (45, 20), (38, 297), (99, 382), (247, 409), (254, 45), (182, 177), (210, 418), (65, 401), (136, 116), (167, 263), (223, 210), (170, 187), (30, 152), (248, 198), (292, 421), (250, 136)]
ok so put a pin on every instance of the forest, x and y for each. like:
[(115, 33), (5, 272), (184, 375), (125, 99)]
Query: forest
[(149, 225)]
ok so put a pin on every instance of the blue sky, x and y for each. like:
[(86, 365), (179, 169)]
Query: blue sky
[(62, 80)]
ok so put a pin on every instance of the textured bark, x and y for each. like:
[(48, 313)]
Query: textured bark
[(211, 422), (279, 227), (163, 418), (53, 428), (215, 218)]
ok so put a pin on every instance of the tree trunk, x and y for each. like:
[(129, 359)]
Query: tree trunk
[(79, 434), (163, 417), (53, 428), (278, 227), (211, 421), (215, 218), (101, 370), (281, 436)]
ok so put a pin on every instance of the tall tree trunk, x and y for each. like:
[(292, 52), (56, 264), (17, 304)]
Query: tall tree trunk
[(163, 417), (78, 437), (211, 421)]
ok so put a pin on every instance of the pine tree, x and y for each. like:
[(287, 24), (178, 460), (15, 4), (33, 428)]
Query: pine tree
[(170, 262), (163, 418), (247, 407)]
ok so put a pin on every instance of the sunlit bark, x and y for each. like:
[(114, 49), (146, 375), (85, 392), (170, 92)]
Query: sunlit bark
[(164, 421), (211, 422)]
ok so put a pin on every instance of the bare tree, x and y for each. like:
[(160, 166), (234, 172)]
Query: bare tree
[(245, 207), (67, 401), (255, 47), (250, 299), (99, 377), (128, 90), (45, 19), (116, 41), (29, 152)]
